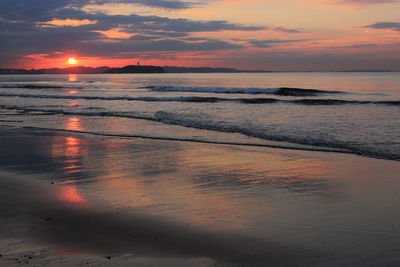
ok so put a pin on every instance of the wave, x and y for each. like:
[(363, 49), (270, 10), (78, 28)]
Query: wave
[(293, 147), (198, 99), (32, 86), (52, 85), (343, 102), (175, 119), (281, 91), (126, 98)]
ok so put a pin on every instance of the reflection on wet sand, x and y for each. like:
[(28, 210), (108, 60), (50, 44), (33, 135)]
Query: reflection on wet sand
[(70, 194), (199, 185), (72, 230), (172, 199), (202, 182), (71, 153), (67, 147), (226, 169)]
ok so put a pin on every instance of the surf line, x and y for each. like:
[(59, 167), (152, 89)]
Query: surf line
[(343, 151)]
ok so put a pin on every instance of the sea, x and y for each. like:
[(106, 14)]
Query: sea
[(343, 112)]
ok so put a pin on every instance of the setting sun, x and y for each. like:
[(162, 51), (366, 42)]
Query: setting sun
[(72, 61)]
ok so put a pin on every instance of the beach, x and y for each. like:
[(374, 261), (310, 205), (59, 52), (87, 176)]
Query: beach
[(267, 169), (76, 199)]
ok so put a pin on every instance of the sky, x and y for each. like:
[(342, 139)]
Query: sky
[(287, 35)]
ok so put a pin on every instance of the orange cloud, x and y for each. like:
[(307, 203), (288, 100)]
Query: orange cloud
[(66, 22), (37, 56), (116, 33)]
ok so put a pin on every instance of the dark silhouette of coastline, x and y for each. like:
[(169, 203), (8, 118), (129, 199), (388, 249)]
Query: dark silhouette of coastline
[(69, 70), (136, 69), (126, 69), (171, 69), (148, 69), (20, 71), (87, 70)]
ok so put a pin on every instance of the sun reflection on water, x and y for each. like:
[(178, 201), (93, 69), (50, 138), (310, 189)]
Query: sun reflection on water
[(74, 103), (74, 124), (72, 77)]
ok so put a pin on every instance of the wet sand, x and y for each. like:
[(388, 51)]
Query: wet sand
[(80, 200)]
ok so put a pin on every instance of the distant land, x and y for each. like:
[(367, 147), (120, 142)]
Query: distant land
[(148, 69), (136, 69), (126, 69)]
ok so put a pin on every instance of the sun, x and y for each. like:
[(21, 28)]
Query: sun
[(72, 61)]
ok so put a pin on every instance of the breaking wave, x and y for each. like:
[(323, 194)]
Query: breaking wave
[(281, 91), (54, 85), (32, 86), (321, 144), (198, 99), (175, 119)]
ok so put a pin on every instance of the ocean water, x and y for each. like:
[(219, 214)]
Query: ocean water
[(356, 113)]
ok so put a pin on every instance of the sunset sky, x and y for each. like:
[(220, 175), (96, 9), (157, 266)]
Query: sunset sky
[(245, 34)]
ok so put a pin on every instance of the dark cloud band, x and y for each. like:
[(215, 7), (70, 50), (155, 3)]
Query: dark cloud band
[(395, 26)]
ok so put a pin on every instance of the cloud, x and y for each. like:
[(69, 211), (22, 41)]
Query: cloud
[(184, 25), (284, 29), (116, 33), (67, 22), (22, 38), (167, 4), (31, 10), (360, 46), (43, 27), (24, 8), (369, 1), (136, 45), (363, 2), (395, 26), (65, 11), (44, 10), (318, 60), (268, 43)]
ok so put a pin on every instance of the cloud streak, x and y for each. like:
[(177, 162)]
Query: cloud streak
[(394, 26), (269, 42), (368, 2)]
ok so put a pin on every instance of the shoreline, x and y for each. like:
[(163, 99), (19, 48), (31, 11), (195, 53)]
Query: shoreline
[(299, 147), (251, 141), (73, 198)]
